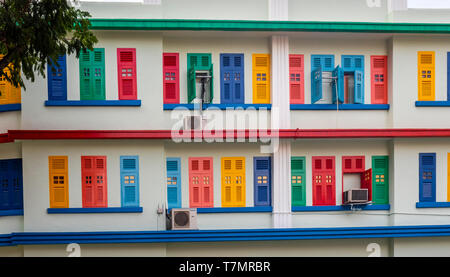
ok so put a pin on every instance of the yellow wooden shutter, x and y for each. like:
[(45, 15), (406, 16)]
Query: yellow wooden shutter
[(233, 182), (426, 75), (59, 183), (9, 94), (4, 89), (261, 79)]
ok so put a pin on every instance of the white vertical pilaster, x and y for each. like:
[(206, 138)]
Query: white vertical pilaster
[(281, 217)]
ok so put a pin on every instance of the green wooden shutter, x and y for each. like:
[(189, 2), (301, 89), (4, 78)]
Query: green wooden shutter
[(85, 75), (380, 179), (298, 178), (92, 74), (98, 69), (198, 62)]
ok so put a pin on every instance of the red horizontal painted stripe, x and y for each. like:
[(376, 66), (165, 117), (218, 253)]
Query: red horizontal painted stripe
[(4, 138), (167, 134)]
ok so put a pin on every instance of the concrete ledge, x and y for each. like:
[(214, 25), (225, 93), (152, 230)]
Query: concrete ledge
[(94, 210), (343, 107), (10, 107), (433, 205), (168, 107), (341, 208), (93, 103), (11, 212)]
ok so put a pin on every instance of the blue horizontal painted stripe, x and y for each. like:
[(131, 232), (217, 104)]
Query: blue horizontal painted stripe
[(10, 212), (10, 107), (94, 210), (219, 106), (225, 235), (433, 205), (93, 103), (265, 209), (432, 103), (339, 208), (344, 107)]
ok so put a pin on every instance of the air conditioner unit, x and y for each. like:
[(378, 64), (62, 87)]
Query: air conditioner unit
[(355, 196), (184, 219), (193, 122)]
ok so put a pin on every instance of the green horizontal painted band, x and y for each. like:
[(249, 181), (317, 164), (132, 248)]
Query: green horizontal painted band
[(263, 25)]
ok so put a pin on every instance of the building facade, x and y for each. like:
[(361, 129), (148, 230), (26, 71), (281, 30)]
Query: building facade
[(256, 115)]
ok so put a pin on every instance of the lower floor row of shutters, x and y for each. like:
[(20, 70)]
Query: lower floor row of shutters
[(233, 180)]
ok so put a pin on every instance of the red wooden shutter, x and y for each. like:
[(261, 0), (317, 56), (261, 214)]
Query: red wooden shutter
[(378, 66), (171, 83), (296, 79), (366, 182), (353, 164), (126, 67), (94, 183), (201, 182), (324, 181)]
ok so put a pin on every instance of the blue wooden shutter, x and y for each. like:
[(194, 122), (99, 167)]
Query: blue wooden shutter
[(5, 189), (427, 177), (238, 78), (338, 84), (226, 76), (316, 85), (57, 79), (327, 63), (359, 91), (173, 167), (232, 78), (262, 180), (129, 178), (16, 184)]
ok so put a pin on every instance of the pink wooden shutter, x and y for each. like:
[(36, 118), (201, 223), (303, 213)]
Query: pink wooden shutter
[(171, 82), (200, 182), (296, 79), (378, 66), (126, 69), (87, 181)]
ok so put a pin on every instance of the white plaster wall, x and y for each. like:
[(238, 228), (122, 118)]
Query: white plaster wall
[(216, 151), (10, 150), (422, 16), (337, 10), (36, 185), (406, 181), (421, 247), (405, 86), (11, 251), (182, 9), (149, 89), (338, 45), (292, 248), (338, 148), (216, 44), (9, 121)]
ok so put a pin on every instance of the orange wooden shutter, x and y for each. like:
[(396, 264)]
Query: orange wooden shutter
[(59, 183)]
